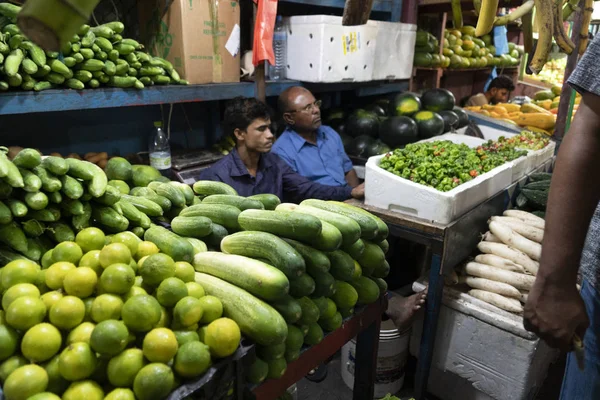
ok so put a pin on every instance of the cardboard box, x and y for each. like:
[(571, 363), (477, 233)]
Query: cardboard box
[(201, 38)]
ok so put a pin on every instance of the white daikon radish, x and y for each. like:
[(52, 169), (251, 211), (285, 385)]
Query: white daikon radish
[(522, 228), (505, 303), (516, 256), (524, 296), (499, 262), (531, 219), (491, 286), (516, 241), (520, 281), (490, 237)]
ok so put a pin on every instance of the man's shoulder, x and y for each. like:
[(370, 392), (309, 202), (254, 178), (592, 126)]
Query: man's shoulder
[(224, 166), (478, 99), (283, 142)]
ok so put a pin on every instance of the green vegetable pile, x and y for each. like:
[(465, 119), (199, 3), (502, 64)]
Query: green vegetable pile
[(444, 165), (94, 57), (526, 140)]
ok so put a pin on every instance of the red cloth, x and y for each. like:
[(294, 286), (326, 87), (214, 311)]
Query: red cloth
[(262, 48)]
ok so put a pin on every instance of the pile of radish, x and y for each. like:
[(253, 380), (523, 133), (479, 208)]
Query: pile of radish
[(505, 271)]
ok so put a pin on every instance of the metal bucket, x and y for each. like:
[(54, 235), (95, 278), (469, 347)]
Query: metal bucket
[(391, 360)]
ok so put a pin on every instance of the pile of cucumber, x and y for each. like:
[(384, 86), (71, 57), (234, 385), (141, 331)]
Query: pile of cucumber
[(96, 56)]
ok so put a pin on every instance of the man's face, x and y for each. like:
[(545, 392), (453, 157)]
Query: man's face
[(304, 113), (257, 137), (499, 95)]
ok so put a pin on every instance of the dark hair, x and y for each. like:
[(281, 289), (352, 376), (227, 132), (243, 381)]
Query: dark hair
[(502, 82), (241, 111)]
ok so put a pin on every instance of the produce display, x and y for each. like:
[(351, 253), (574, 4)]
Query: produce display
[(445, 165), (462, 50), (104, 300), (504, 272), (553, 73), (96, 56), (407, 118), (525, 140), (533, 196)]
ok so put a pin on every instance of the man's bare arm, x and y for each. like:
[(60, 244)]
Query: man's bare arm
[(352, 178)]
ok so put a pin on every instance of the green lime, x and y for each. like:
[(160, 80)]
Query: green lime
[(106, 306), (129, 239), (41, 342), (120, 394), (212, 309), (44, 396), (146, 248), (90, 239), (47, 259), (222, 336), (9, 341), (77, 361), (192, 360), (55, 274), (170, 291), (195, 290), (67, 251), (117, 278), (184, 337), (25, 382), (67, 313), (80, 282), (10, 364), (109, 337), (19, 271), (88, 390), (115, 253), (56, 383), (187, 312), (25, 312), (92, 260), (160, 345), (141, 313), (185, 271), (123, 367), (156, 268), (257, 372), (154, 381), (134, 291), (81, 333), (20, 290)]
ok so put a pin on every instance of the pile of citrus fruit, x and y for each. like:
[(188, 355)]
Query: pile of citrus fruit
[(106, 318)]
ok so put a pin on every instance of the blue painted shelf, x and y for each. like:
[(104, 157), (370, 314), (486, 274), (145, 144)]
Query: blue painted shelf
[(67, 100)]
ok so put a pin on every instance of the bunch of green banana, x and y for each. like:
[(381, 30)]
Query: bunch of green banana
[(225, 145)]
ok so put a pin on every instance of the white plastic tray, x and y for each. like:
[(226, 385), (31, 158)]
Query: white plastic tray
[(391, 192)]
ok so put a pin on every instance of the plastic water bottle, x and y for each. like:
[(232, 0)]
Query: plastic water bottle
[(277, 71), (160, 151)]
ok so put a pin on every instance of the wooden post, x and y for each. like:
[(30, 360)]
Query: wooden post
[(356, 12), (563, 105)]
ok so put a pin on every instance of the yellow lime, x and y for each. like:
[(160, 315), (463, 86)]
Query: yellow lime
[(25, 312), (10, 364), (212, 309), (184, 337), (91, 259), (138, 281), (44, 396), (40, 283), (81, 333), (170, 291), (88, 390), (187, 312), (19, 290), (120, 394), (192, 360), (146, 248), (154, 381), (133, 291), (141, 313), (55, 274), (80, 282), (185, 271), (202, 333), (41, 342), (67, 312), (56, 382), (141, 261), (106, 306), (88, 308), (25, 382), (195, 290), (123, 367), (117, 278), (67, 251), (157, 268), (222, 336), (19, 271), (129, 239), (9, 340), (50, 298), (77, 361), (109, 337), (90, 239), (160, 345), (47, 259), (165, 318), (114, 253)]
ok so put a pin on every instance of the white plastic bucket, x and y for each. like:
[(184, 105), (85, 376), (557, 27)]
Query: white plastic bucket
[(391, 360)]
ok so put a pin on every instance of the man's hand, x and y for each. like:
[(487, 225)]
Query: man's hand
[(358, 192), (555, 312)]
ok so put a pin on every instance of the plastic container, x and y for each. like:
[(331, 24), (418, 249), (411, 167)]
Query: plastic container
[(391, 360), (159, 150), (277, 71), (395, 50)]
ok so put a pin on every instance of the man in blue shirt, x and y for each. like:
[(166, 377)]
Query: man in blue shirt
[(311, 149), (250, 168)]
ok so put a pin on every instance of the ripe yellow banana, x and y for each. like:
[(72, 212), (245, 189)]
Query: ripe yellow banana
[(487, 14), (560, 37), (519, 12), (545, 19), (457, 17), (585, 27)]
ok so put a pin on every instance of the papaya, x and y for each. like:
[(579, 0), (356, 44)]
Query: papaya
[(532, 108), (509, 107), (544, 95), (544, 120)]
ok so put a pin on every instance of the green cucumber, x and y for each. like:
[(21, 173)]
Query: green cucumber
[(289, 308), (356, 249), (198, 227), (60, 232), (174, 194), (371, 259), (55, 197), (48, 214), (269, 201), (206, 188), (170, 243), (32, 182), (5, 214), (240, 202), (367, 290), (71, 187), (110, 219), (219, 232), (82, 221), (310, 311), (12, 235), (163, 202), (50, 183), (111, 196), (368, 224), (303, 285), (349, 228), (145, 205), (324, 284), (28, 158), (315, 260), (33, 228), (36, 201), (56, 165), (224, 215), (198, 245), (256, 277), (342, 265), (329, 239), (292, 225), (72, 207)]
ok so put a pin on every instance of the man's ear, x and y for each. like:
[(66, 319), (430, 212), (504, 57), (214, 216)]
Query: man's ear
[(287, 117), (239, 134)]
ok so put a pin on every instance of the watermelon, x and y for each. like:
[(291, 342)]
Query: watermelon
[(398, 131), (335, 115), (360, 145), (450, 120), (377, 148), (463, 117), (438, 100), (430, 124), (405, 104), (362, 122), (346, 141), (377, 109)]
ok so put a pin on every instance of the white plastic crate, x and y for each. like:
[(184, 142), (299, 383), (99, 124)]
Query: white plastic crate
[(395, 50), (391, 192), (321, 49), (482, 352)]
